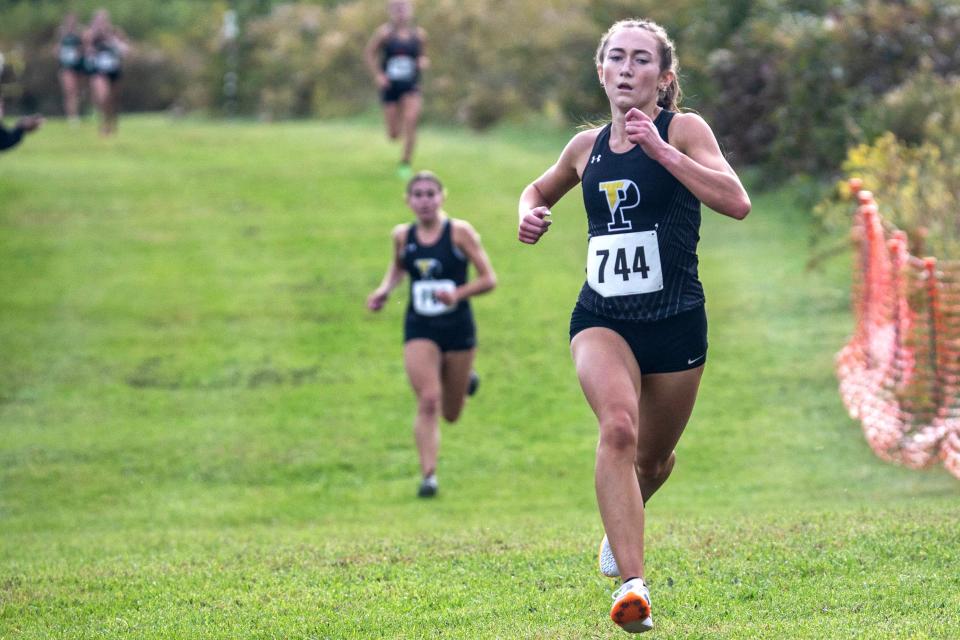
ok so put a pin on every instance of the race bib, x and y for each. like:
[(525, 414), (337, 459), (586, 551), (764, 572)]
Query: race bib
[(401, 68), (107, 61), (425, 296), (624, 264), (69, 55)]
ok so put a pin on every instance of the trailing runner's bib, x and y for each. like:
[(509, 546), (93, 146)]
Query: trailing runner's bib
[(69, 55), (107, 61), (424, 296), (401, 69)]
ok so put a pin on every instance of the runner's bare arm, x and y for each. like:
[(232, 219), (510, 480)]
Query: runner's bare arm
[(546, 191), (370, 54), (694, 158), (466, 238), (395, 271), (423, 62)]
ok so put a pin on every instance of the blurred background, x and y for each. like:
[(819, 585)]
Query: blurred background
[(788, 85)]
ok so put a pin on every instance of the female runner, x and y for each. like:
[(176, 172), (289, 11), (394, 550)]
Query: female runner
[(639, 330), (72, 66), (105, 46), (395, 56), (439, 332)]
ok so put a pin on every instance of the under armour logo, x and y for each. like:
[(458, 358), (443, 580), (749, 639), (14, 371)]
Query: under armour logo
[(595, 158)]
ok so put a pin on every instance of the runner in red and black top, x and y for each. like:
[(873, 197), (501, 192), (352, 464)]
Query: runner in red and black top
[(639, 330), (439, 333), (395, 56)]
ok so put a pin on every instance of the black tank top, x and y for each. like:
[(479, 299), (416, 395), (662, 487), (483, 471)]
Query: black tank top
[(401, 57), (106, 57), (643, 227), (71, 51), (431, 267)]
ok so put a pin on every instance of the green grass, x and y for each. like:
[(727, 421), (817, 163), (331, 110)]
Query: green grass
[(204, 434)]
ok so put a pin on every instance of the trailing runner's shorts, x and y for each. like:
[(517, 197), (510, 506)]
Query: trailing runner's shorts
[(397, 90), (460, 335), (677, 343)]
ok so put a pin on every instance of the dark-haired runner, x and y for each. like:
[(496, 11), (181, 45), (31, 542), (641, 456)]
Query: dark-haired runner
[(439, 332), (396, 56)]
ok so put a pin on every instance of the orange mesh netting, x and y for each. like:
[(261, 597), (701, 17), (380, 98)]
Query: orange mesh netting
[(900, 371)]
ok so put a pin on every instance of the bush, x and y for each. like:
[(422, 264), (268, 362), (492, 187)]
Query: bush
[(791, 88), (917, 189), (913, 110), (788, 84)]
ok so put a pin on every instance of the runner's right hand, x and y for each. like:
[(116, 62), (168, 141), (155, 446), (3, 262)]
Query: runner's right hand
[(534, 224), (376, 300), (27, 124)]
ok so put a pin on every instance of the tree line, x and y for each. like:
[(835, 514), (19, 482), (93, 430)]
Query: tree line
[(788, 85)]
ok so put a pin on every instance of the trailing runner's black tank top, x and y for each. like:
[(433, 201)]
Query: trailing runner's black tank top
[(643, 226), (71, 52), (401, 58), (434, 267), (106, 57)]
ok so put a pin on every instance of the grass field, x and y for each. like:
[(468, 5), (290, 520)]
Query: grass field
[(203, 434)]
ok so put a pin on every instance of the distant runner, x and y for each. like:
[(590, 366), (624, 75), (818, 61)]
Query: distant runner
[(396, 56), (439, 334)]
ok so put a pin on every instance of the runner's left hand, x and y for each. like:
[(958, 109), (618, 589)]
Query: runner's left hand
[(448, 298), (641, 130)]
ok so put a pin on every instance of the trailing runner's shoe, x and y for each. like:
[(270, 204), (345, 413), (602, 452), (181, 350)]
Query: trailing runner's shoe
[(474, 383), (631, 607), (404, 171), (608, 564), (428, 487)]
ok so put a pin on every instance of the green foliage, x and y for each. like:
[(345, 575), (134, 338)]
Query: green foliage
[(792, 88), (787, 84), (922, 108), (911, 160), (917, 189), (173, 44), (281, 60)]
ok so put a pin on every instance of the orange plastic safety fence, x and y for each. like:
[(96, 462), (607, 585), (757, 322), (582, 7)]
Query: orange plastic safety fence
[(900, 371)]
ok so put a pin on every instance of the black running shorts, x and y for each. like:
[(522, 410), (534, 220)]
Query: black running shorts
[(673, 344), (459, 335), (396, 90)]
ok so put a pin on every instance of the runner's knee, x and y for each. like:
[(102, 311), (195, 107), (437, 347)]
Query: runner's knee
[(428, 403), (653, 468), (452, 414), (618, 431)]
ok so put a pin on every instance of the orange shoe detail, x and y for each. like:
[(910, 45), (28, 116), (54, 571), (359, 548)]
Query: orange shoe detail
[(629, 609)]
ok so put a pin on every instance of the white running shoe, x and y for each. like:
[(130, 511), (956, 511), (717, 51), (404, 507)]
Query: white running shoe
[(631, 607), (608, 564), (428, 487)]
